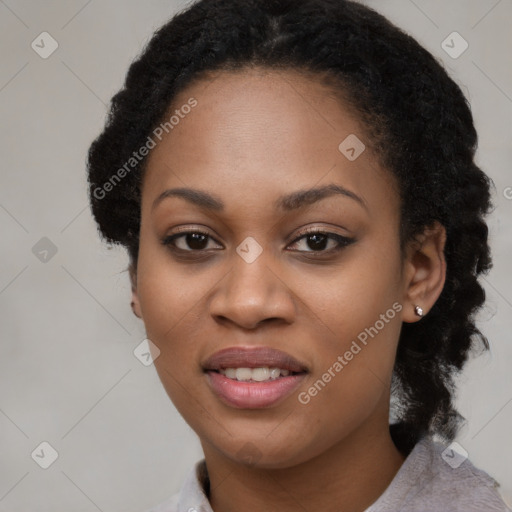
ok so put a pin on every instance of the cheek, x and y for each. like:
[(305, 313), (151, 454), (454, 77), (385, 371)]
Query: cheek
[(339, 408), (168, 293), (350, 381), (353, 296), (171, 296), (358, 322)]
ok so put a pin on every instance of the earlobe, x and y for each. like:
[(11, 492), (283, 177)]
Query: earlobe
[(135, 304), (136, 307), (425, 272)]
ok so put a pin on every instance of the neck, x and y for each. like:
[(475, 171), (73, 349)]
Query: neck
[(347, 477)]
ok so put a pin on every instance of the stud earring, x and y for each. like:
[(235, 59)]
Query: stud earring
[(418, 310)]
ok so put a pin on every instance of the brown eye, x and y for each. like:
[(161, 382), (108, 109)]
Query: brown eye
[(317, 242), (196, 241), (320, 241), (189, 241)]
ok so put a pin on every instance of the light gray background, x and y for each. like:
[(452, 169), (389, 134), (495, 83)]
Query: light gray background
[(68, 373)]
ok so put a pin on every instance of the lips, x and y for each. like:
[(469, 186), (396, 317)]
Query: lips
[(275, 375), (253, 357)]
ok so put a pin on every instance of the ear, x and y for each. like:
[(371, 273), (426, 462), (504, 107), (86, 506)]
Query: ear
[(424, 271), (135, 296)]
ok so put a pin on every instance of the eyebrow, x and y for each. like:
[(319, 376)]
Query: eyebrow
[(288, 202)]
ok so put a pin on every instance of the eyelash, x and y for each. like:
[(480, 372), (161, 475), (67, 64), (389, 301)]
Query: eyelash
[(342, 241)]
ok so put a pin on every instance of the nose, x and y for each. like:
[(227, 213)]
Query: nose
[(251, 294)]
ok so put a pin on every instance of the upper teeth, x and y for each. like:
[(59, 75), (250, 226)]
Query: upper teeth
[(257, 374)]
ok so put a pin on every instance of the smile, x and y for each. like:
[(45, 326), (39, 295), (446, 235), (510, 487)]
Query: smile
[(252, 394), (253, 377)]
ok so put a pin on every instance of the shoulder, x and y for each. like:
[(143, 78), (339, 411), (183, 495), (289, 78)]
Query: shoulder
[(434, 477), (459, 483)]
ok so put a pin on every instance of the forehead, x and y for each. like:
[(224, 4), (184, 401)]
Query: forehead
[(260, 133)]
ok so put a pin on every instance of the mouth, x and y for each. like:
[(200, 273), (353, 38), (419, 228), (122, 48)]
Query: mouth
[(253, 378), (259, 374)]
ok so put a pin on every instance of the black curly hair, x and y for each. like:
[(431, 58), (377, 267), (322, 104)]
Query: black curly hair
[(418, 122)]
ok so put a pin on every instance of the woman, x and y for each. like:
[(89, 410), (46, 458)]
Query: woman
[(295, 185)]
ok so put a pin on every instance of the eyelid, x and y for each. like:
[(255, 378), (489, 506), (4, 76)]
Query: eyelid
[(182, 231), (317, 229)]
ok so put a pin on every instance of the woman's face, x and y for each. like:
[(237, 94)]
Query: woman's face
[(255, 276)]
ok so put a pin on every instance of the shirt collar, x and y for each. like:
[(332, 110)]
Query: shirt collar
[(195, 490), (194, 494)]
